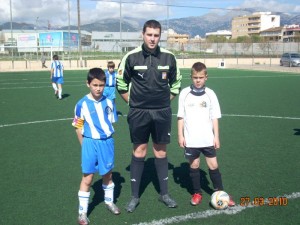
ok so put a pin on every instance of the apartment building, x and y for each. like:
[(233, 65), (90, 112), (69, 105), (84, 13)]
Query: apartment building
[(253, 24), (291, 33), (272, 34)]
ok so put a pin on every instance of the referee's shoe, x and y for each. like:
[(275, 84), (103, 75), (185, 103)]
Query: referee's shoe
[(168, 201), (132, 204)]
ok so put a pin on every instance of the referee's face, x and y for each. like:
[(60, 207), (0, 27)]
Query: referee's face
[(199, 78), (151, 38), (96, 87)]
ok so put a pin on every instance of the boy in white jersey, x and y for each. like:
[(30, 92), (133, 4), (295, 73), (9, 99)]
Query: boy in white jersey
[(94, 115), (57, 76), (198, 130)]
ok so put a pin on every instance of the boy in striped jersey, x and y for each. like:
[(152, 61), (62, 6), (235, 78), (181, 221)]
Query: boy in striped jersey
[(110, 87), (57, 76), (94, 115)]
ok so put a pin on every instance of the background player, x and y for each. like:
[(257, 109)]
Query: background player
[(110, 86), (57, 76)]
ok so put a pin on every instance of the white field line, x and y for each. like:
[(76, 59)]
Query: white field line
[(241, 77), (262, 116), (48, 86), (185, 77), (32, 122), (229, 115), (82, 83), (211, 212), (39, 82)]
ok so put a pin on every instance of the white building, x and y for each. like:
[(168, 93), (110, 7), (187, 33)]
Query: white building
[(120, 42), (34, 40), (220, 33), (253, 24)]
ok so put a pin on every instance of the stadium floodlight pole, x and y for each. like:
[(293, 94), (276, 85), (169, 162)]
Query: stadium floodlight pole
[(167, 21), (69, 37), (36, 25), (79, 33), (120, 45), (11, 37)]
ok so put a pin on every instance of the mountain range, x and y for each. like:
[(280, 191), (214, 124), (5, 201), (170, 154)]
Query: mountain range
[(194, 25)]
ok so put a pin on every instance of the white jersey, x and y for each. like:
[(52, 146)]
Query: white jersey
[(197, 111)]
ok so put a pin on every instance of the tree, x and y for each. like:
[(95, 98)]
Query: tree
[(256, 38), (246, 44)]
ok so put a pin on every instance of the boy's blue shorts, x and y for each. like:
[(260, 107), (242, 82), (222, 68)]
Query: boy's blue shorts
[(58, 80), (97, 155)]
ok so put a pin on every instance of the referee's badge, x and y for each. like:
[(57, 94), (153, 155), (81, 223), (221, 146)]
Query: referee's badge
[(108, 110), (203, 104), (164, 75)]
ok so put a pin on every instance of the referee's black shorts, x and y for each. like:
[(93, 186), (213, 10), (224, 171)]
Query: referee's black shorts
[(143, 122)]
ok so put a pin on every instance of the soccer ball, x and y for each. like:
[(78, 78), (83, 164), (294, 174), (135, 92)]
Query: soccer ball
[(219, 200)]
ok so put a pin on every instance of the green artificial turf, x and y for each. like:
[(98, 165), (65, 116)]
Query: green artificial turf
[(40, 154)]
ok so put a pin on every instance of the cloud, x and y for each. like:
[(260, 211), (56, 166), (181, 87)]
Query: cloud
[(275, 6), (40, 12), (140, 9), (35, 12), (56, 11)]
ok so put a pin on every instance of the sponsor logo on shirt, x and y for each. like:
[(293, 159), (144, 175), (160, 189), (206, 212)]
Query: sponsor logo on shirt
[(203, 104), (108, 110)]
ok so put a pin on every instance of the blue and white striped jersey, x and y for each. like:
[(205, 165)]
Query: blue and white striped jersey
[(95, 118), (110, 78), (58, 68)]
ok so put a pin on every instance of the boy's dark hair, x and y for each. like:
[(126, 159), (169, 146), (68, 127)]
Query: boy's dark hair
[(55, 57), (110, 64), (198, 67), (152, 24), (96, 73)]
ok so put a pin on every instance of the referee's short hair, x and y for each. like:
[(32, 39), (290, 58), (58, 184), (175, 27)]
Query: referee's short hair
[(152, 24)]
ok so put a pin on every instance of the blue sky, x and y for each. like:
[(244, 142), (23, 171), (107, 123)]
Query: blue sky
[(55, 12)]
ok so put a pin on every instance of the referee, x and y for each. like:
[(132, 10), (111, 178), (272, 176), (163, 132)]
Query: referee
[(148, 79)]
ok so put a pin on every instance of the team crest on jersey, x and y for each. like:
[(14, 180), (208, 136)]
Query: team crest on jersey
[(164, 75), (108, 110), (203, 104), (120, 72)]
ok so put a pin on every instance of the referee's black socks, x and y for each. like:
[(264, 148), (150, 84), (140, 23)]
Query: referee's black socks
[(161, 165), (136, 171)]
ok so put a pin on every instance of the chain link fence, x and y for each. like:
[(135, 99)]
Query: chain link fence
[(191, 50)]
